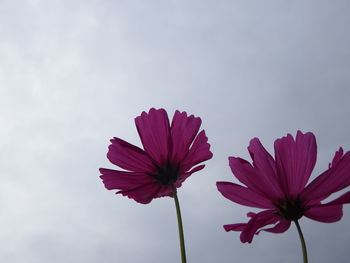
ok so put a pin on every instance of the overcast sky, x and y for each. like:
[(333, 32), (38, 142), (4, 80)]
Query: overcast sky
[(74, 74)]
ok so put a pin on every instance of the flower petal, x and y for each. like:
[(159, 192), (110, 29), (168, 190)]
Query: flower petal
[(295, 161), (164, 190), (144, 193), (343, 199), (199, 152), (280, 227), (128, 156), (265, 168), (248, 175), (324, 213), (235, 227), (154, 130), (255, 224), (332, 180), (183, 131), (138, 186), (184, 176), (122, 180), (243, 195), (337, 157), (258, 221), (329, 212)]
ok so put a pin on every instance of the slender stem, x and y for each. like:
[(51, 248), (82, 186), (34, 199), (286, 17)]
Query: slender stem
[(179, 222), (302, 240)]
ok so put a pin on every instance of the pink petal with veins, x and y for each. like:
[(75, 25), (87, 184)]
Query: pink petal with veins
[(183, 131), (250, 176), (295, 161), (265, 168), (114, 179), (128, 156), (154, 131), (243, 195)]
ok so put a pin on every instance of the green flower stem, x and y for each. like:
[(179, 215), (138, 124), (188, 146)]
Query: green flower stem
[(302, 240), (179, 222)]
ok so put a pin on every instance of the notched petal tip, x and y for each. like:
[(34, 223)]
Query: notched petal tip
[(337, 157), (151, 111), (236, 163), (300, 133), (187, 117), (154, 110), (253, 143)]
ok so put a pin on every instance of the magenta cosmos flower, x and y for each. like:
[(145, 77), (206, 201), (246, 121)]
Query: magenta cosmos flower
[(278, 185), (170, 155)]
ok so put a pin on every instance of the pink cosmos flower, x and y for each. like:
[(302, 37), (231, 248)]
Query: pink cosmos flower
[(278, 185), (170, 155)]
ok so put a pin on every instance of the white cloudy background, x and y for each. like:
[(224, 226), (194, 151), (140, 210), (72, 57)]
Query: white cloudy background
[(73, 74)]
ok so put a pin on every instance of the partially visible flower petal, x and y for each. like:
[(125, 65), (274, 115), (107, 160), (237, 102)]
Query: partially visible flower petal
[(164, 191), (326, 214), (199, 152), (184, 176), (128, 156), (280, 227), (243, 195), (337, 157), (235, 227), (332, 180), (295, 161), (183, 131), (343, 199), (251, 214), (138, 186), (113, 179), (154, 131), (258, 221), (265, 168), (143, 193), (248, 175)]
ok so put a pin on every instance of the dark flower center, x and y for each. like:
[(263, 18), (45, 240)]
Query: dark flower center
[(167, 174), (290, 209)]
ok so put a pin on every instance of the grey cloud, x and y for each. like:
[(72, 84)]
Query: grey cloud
[(73, 74)]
